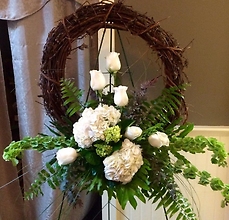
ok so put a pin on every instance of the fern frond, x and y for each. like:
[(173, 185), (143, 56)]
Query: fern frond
[(164, 107), (173, 203), (51, 175), (71, 94), (59, 129)]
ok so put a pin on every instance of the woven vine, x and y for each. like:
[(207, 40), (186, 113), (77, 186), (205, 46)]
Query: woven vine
[(86, 21)]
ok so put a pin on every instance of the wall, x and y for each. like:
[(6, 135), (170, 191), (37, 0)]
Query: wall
[(206, 22)]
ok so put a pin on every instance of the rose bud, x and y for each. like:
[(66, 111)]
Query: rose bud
[(133, 132), (120, 95), (98, 81), (112, 62), (158, 139), (66, 155)]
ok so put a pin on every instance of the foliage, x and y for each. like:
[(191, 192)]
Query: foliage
[(72, 97), (155, 180), (39, 143)]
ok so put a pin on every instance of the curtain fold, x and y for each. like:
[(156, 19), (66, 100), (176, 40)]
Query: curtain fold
[(27, 38), (10, 195), (15, 10)]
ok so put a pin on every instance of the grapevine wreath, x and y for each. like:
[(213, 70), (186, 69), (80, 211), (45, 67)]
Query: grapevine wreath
[(86, 21), (118, 142)]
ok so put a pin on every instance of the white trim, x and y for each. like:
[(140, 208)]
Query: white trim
[(211, 128), (210, 131)]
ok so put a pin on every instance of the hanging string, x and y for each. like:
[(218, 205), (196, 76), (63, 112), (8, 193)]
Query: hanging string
[(125, 57)]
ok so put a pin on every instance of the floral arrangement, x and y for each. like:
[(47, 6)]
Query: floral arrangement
[(124, 144)]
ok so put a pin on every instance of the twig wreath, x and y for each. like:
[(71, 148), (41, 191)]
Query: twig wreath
[(86, 21), (119, 143)]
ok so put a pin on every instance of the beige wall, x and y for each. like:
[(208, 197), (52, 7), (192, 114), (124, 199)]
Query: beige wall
[(207, 23)]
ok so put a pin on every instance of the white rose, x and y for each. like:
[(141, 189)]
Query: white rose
[(133, 132), (158, 139), (98, 81), (113, 62), (120, 95), (66, 155)]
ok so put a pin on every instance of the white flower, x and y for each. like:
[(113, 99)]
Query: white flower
[(98, 81), (158, 139), (81, 131), (120, 95), (91, 126), (66, 155), (122, 165), (133, 132), (112, 62)]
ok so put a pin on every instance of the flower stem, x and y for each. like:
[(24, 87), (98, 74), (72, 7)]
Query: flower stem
[(61, 206), (110, 81), (166, 216), (109, 211)]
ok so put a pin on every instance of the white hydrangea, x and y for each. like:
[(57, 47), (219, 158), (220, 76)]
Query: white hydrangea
[(122, 165), (91, 126)]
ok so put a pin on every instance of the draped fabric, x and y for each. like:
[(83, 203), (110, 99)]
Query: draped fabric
[(15, 10), (29, 23), (8, 199)]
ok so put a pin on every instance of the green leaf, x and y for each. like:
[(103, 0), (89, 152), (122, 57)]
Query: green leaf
[(163, 109), (123, 124), (159, 194), (187, 129), (40, 143), (122, 196), (137, 192), (43, 176), (173, 209), (72, 96), (92, 158), (162, 201), (216, 184), (133, 202), (204, 178), (198, 145)]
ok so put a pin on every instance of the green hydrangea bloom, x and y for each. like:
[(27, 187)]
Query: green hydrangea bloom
[(103, 150), (112, 134)]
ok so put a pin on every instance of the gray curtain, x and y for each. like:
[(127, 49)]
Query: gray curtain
[(29, 23), (10, 195)]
